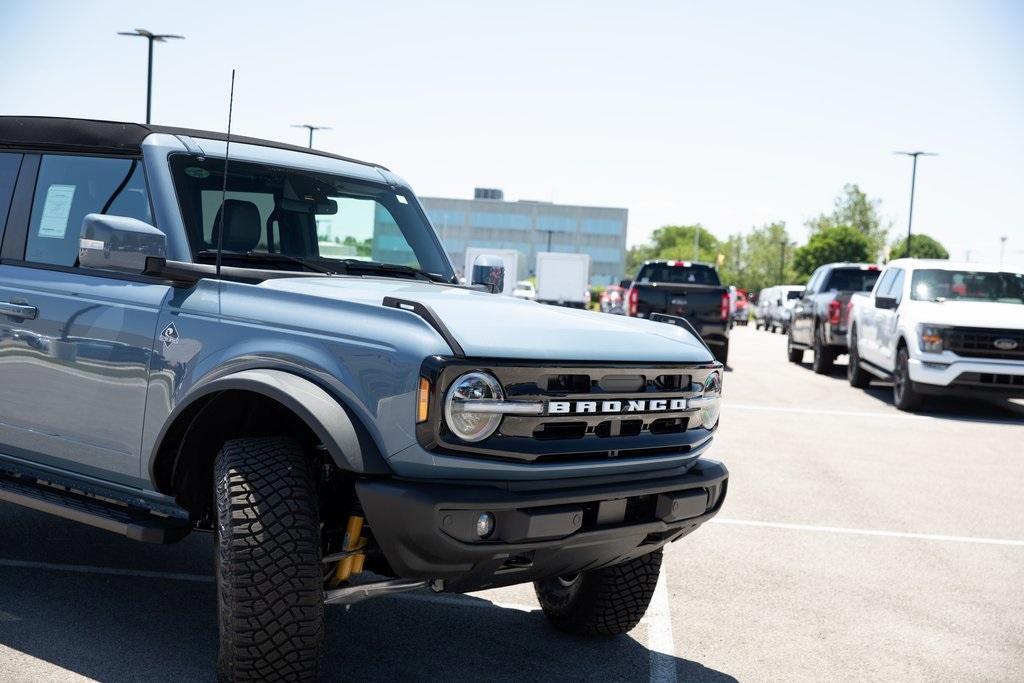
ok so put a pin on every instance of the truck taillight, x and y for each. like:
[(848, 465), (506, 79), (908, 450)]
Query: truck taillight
[(835, 312), (632, 301), (725, 307)]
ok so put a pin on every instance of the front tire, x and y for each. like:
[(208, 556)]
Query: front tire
[(824, 356), (270, 601), (794, 354), (601, 602), (904, 396), (858, 377)]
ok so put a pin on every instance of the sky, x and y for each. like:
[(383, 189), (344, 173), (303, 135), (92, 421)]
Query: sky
[(730, 114)]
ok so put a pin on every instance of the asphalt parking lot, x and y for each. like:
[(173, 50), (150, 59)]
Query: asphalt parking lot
[(857, 542)]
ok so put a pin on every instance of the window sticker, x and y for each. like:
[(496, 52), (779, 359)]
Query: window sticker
[(56, 209)]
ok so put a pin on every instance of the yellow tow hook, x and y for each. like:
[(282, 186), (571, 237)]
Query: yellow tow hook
[(354, 541)]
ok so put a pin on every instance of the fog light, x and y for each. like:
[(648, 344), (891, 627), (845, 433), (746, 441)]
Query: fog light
[(484, 524)]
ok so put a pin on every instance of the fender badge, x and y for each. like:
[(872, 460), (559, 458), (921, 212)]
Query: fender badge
[(169, 336)]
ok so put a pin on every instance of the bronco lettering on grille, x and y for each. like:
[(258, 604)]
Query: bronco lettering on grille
[(614, 407)]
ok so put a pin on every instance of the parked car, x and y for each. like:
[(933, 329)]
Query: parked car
[(613, 300), (686, 289), (345, 428), (525, 290), (820, 316), (741, 311), (940, 328), (763, 313), (781, 311)]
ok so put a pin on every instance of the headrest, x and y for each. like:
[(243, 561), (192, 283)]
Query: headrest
[(242, 226)]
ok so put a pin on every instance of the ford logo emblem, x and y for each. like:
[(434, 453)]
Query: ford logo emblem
[(1005, 344)]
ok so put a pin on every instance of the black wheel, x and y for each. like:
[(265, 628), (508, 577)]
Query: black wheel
[(721, 353), (824, 356), (270, 601), (857, 375), (904, 396), (757, 325), (794, 354), (602, 602)]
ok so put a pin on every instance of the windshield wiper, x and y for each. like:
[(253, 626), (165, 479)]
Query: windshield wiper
[(389, 268), (272, 258)]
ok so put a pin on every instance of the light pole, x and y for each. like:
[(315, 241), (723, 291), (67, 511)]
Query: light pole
[(151, 38), (311, 128), (913, 179), (782, 262), (1002, 249)]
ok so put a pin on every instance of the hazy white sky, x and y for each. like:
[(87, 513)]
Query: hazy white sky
[(729, 113)]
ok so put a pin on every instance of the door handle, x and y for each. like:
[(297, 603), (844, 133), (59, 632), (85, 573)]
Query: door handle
[(22, 311)]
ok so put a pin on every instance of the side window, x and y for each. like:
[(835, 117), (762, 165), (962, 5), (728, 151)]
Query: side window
[(896, 290), (9, 165), (68, 188), (815, 283), (883, 283)]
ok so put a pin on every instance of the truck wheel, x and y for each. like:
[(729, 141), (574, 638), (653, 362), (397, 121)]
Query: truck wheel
[(794, 354), (721, 353), (824, 356), (602, 602), (270, 601), (903, 394), (857, 376)]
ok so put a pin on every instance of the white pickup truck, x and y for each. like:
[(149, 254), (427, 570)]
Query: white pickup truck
[(940, 328)]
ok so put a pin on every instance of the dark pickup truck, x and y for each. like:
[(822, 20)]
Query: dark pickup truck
[(686, 289), (821, 317)]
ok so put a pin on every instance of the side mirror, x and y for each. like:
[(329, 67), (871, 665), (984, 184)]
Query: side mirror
[(118, 243), (489, 271), (625, 284), (887, 302)]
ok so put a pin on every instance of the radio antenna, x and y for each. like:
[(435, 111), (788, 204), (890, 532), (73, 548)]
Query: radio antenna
[(224, 186)]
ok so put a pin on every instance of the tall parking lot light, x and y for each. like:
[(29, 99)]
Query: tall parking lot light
[(913, 178), (152, 38), (311, 128)]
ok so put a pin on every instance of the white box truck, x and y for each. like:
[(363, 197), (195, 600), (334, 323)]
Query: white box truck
[(563, 278), (509, 257)]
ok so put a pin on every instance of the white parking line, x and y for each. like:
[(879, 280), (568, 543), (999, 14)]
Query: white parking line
[(660, 643), (870, 532), (818, 411)]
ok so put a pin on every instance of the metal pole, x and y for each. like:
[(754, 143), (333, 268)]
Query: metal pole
[(311, 137), (782, 263), (1002, 249), (910, 216), (149, 80), (549, 238)]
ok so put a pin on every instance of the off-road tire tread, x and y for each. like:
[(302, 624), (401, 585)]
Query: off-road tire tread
[(607, 602), (269, 582), (824, 356), (858, 377)]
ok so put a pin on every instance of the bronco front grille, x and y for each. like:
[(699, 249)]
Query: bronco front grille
[(976, 342), (554, 437)]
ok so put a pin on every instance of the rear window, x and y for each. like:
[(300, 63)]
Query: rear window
[(681, 273), (851, 280)]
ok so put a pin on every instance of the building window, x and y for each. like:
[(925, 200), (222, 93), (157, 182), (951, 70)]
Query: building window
[(499, 221), (603, 226), (556, 223)]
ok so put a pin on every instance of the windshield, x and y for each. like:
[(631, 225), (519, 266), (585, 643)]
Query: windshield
[(965, 285), (852, 279), (794, 294), (681, 274), (282, 217)]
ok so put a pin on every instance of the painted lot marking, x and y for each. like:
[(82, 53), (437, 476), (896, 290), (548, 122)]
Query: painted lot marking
[(816, 411), (660, 642), (869, 532)]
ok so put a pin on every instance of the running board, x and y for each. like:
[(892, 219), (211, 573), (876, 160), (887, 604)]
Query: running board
[(135, 523), (352, 594)]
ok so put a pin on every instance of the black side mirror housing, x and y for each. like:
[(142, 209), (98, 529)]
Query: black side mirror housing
[(887, 302)]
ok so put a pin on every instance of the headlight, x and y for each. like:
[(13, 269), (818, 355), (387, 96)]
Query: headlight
[(710, 402), (931, 338), (465, 423)]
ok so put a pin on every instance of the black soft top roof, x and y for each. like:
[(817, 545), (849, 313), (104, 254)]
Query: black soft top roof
[(113, 137)]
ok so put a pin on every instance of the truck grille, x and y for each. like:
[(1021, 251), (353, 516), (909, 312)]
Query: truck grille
[(588, 436), (974, 342)]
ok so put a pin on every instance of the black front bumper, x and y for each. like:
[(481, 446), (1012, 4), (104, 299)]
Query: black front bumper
[(428, 530)]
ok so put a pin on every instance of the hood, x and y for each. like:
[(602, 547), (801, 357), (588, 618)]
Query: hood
[(971, 314), (492, 326)]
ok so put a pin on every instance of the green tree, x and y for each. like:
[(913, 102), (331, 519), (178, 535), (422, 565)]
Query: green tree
[(674, 242), (766, 258), (853, 209), (829, 245), (922, 246)]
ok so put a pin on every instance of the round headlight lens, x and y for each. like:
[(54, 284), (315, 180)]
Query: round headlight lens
[(473, 386), (710, 409)]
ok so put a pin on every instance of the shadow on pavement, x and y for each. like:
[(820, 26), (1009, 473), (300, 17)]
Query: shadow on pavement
[(135, 628)]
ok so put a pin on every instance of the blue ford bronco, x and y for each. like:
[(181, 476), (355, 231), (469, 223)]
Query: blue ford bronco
[(269, 343)]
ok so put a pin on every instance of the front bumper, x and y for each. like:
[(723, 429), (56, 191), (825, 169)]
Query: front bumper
[(1002, 379), (427, 530)]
